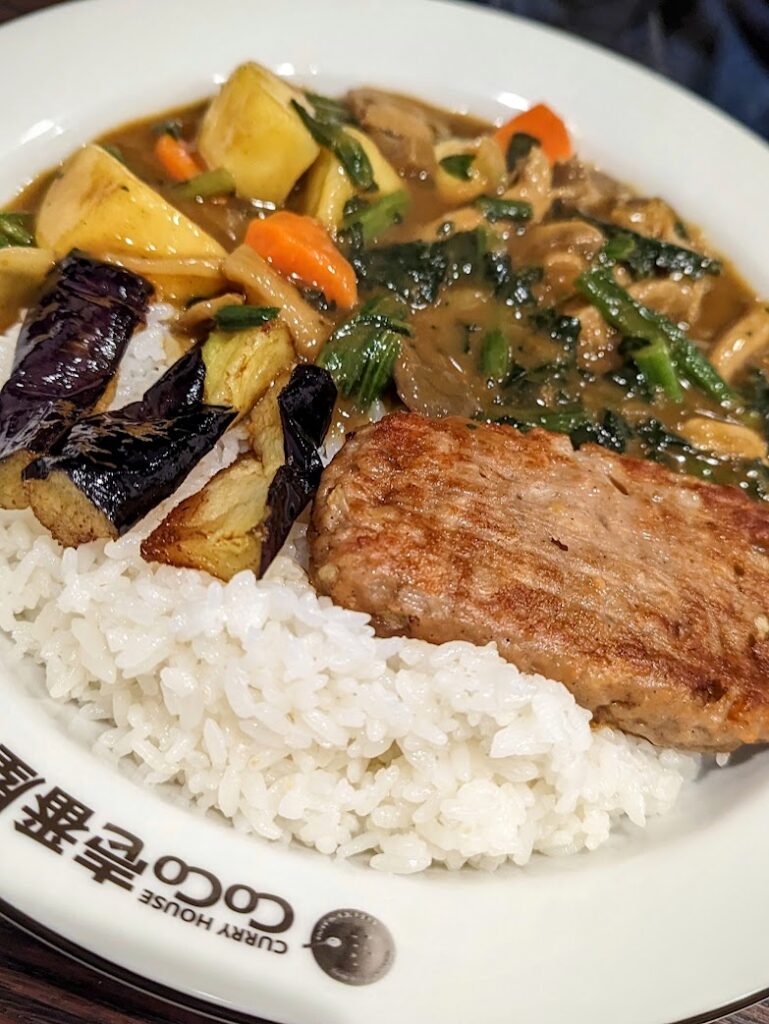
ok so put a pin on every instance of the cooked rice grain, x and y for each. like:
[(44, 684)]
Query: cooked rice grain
[(287, 715)]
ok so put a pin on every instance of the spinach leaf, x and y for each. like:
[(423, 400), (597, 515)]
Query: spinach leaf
[(562, 329), (417, 270), (662, 445), (513, 287), (644, 256), (331, 135), (330, 111), (373, 219), (458, 165), (612, 431), (360, 355)]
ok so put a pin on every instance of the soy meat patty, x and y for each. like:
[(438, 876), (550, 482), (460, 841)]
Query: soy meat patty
[(645, 592)]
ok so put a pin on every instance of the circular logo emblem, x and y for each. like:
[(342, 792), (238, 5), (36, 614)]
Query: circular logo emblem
[(352, 946)]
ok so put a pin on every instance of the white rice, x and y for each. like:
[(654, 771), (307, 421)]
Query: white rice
[(287, 715)]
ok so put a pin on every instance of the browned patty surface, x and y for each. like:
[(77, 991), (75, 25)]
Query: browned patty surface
[(645, 592)]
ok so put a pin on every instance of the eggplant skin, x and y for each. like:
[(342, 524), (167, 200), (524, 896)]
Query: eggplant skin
[(69, 347), (306, 405), (112, 468), (242, 517)]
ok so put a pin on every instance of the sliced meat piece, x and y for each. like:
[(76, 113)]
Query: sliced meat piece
[(581, 185), (645, 592), (402, 129)]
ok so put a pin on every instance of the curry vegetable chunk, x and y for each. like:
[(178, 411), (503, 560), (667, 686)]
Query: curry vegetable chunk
[(252, 130), (97, 204), (429, 260)]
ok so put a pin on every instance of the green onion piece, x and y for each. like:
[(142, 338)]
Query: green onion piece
[(617, 249), (495, 356), (458, 165), (360, 355), (656, 364), (330, 111), (520, 145), (14, 227), (172, 127), (560, 421), (373, 219), (504, 209), (239, 318), (345, 148), (114, 151), (698, 369), (385, 323), (621, 310), (206, 185)]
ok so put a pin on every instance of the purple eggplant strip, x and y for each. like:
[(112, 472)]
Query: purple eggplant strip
[(306, 405), (69, 348), (125, 462)]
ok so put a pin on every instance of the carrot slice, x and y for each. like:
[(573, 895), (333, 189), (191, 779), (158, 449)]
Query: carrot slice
[(175, 159), (543, 124), (299, 245)]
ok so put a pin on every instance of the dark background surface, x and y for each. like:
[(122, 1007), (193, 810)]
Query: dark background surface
[(720, 48)]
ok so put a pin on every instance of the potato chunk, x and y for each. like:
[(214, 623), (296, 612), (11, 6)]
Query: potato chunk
[(328, 187), (22, 272), (486, 171), (251, 129), (98, 205)]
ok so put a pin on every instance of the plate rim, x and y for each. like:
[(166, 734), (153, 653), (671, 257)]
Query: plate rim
[(564, 39), (221, 1014)]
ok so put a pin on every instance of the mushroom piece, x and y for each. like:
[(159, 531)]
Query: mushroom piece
[(533, 184), (740, 342), (580, 185), (264, 286), (678, 300), (729, 440)]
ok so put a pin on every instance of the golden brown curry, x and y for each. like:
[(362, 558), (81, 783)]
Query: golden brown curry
[(492, 256)]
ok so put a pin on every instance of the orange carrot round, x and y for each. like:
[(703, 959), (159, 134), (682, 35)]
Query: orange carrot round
[(543, 124), (175, 159), (299, 245)]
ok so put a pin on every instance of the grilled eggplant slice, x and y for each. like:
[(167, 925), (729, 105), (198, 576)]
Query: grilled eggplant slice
[(306, 406), (218, 529), (68, 350), (242, 517), (111, 469), (241, 365)]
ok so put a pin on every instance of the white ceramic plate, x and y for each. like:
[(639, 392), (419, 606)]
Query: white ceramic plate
[(657, 928)]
